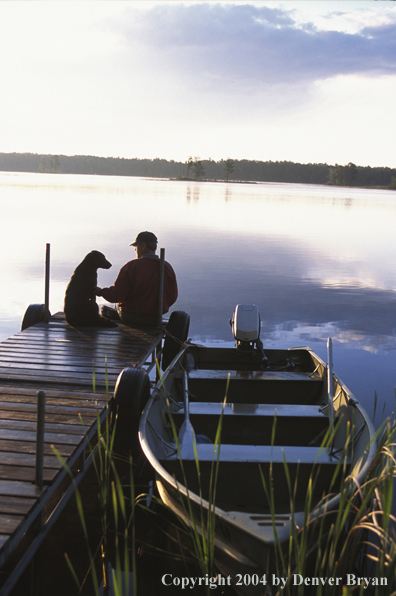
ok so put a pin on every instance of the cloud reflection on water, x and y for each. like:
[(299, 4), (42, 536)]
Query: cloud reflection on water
[(274, 276)]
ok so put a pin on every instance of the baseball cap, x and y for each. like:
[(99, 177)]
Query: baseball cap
[(144, 237)]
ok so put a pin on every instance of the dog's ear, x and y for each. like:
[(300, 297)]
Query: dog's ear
[(92, 257)]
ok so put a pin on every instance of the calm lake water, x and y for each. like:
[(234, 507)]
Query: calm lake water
[(318, 261)]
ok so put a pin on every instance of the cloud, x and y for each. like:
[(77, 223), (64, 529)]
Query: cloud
[(255, 45), (258, 80)]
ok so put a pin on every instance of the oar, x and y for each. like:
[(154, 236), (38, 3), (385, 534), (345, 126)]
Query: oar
[(330, 390), (186, 433), (330, 379)]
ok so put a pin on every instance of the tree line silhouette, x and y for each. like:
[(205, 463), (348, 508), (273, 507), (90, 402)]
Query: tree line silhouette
[(195, 168)]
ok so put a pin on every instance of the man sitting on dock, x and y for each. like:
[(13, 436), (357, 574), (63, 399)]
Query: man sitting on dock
[(136, 289)]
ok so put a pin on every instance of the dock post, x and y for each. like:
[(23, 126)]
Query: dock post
[(40, 438), (161, 288), (47, 282)]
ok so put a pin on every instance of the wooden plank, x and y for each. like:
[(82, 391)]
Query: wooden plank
[(16, 505), (77, 358), (126, 352), (56, 372), (34, 357), (76, 379), (66, 419), (20, 489), (73, 344), (77, 364), (49, 409), (59, 359), (79, 405), (25, 459), (25, 474), (121, 328), (75, 428), (86, 354), (63, 342), (81, 348), (67, 336), (92, 346), (51, 405), (30, 447), (51, 393), (70, 367), (57, 342), (54, 438), (119, 336), (9, 523)]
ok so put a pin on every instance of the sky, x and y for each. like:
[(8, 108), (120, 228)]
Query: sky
[(277, 80)]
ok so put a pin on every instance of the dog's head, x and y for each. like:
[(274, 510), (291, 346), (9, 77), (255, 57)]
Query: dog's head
[(97, 260)]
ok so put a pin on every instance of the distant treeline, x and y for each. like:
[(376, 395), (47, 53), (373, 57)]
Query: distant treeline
[(237, 170)]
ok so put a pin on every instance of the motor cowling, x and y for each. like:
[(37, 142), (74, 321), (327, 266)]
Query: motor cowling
[(245, 323)]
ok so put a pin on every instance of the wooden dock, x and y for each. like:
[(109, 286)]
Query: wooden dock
[(77, 369)]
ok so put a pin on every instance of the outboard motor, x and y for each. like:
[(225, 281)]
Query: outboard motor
[(245, 325)]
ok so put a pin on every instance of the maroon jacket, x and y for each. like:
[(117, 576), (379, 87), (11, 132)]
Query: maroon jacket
[(136, 288)]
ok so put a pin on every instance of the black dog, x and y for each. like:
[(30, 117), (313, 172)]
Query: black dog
[(80, 305)]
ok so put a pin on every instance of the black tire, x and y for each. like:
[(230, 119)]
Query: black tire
[(176, 334), (131, 394), (35, 313)]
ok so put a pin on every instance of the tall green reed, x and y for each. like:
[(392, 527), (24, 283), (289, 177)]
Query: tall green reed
[(358, 536), (116, 517)]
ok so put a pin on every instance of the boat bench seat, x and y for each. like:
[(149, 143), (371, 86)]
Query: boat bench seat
[(243, 409), (255, 424), (262, 453), (255, 386), (240, 477), (252, 375)]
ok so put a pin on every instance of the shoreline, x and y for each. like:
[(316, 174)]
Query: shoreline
[(208, 180), (184, 179)]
